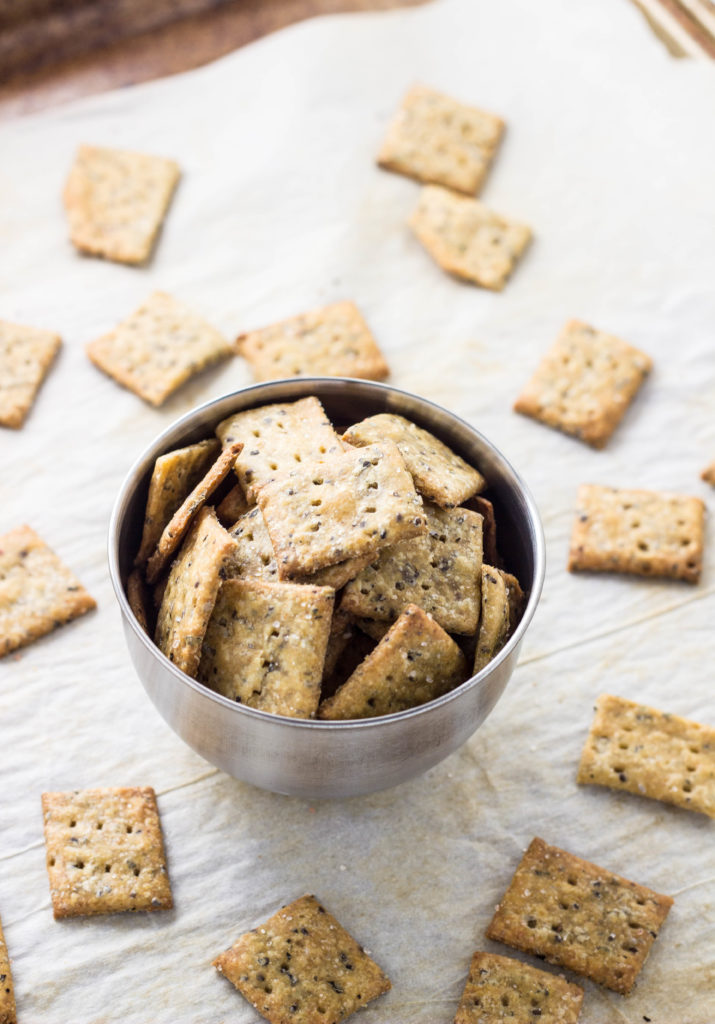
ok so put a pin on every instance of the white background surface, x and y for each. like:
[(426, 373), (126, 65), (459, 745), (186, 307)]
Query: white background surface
[(609, 155)]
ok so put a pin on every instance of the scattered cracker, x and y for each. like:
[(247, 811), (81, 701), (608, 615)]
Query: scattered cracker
[(158, 348), (7, 993), (440, 572), (26, 355), (652, 753), (278, 438), (414, 663), (708, 474), (579, 916), (465, 238), (494, 620), (105, 852), (333, 341), (647, 533), (232, 506), (302, 966), (585, 383), (265, 645), (138, 598), (437, 140), (191, 591), (500, 988), (439, 474), (116, 202), (37, 591), (253, 557)]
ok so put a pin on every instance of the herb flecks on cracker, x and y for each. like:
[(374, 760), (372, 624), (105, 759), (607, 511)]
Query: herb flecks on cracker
[(7, 993), (26, 355), (500, 988)]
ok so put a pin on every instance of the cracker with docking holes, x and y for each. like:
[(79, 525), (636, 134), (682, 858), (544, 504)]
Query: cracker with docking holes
[(651, 753), (645, 533), (7, 993), (116, 201), (105, 852), (333, 341), (500, 988), (26, 355), (302, 966), (579, 916), (253, 557), (466, 238)]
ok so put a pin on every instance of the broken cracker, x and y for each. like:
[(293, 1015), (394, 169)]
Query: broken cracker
[(500, 988), (7, 992), (26, 355), (105, 852)]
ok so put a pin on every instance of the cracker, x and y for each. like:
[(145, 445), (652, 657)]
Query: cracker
[(414, 663), (138, 598), (253, 557), (116, 201), (174, 476), (348, 506), (158, 348), (265, 645), (708, 474), (105, 852), (7, 992), (489, 528), (351, 652), (438, 473), (435, 139), (585, 383), (466, 238), (26, 355), (580, 916), (342, 632), (232, 506), (278, 438), (333, 341), (500, 988), (646, 533), (37, 591), (651, 753), (439, 571), (302, 966), (494, 619), (336, 576), (373, 628), (191, 591), (175, 531)]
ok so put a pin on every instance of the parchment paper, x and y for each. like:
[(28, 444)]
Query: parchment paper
[(609, 156)]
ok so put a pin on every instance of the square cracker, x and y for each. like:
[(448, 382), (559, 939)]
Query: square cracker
[(253, 557), (438, 473), (105, 852), (7, 993), (500, 988), (585, 383), (415, 662), (433, 138), (158, 348), (333, 341), (26, 354), (348, 506), (646, 533), (277, 439), (439, 571), (466, 238), (302, 966), (37, 591), (652, 753), (579, 916), (116, 201), (265, 645), (191, 591)]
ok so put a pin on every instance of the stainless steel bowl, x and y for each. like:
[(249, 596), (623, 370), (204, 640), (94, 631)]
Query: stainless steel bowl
[(313, 758)]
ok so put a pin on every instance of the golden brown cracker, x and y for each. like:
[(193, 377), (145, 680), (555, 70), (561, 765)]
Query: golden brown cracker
[(500, 988), (338, 575), (253, 556), (232, 506), (494, 620), (7, 992), (26, 355), (138, 598)]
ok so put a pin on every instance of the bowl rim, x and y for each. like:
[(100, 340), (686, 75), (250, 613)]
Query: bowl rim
[(154, 449)]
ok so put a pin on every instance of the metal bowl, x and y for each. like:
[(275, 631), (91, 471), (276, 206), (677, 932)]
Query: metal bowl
[(310, 758)]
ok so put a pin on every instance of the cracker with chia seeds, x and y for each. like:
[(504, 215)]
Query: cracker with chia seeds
[(116, 201), (232, 506), (708, 474), (138, 598), (500, 988), (438, 140), (348, 506), (651, 753), (495, 619), (7, 993), (26, 355), (585, 383), (338, 575), (644, 533), (373, 628), (579, 916), (265, 645), (439, 571), (253, 557), (438, 473), (277, 439), (158, 348), (190, 594), (415, 662), (489, 528), (302, 966), (466, 238), (333, 341), (105, 852), (38, 593)]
